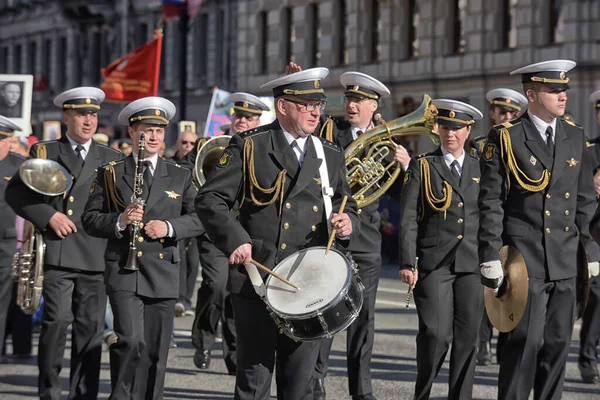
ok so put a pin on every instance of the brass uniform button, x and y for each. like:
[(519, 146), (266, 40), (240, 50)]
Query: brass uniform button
[(140, 239), (288, 205), (566, 229), (566, 212), (162, 240), (460, 221), (547, 213), (459, 237), (567, 195), (141, 225), (71, 199), (460, 204), (70, 212), (283, 246), (161, 256), (286, 225), (548, 195), (139, 254), (315, 208), (547, 230), (313, 228), (359, 211)]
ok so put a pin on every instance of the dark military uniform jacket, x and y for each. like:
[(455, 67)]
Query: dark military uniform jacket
[(369, 237), (440, 238), (171, 198), (545, 226), (476, 146), (279, 229), (9, 166), (78, 250)]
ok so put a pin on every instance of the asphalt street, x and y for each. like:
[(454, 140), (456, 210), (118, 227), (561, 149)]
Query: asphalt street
[(393, 365)]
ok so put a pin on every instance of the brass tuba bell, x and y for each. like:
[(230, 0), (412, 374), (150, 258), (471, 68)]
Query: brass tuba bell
[(371, 176), (208, 156)]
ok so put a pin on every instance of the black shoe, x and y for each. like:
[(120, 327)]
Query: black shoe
[(484, 356), (202, 359), (319, 389), (589, 374), (364, 397)]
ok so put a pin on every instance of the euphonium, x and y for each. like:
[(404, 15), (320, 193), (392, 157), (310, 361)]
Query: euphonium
[(371, 176), (136, 198), (208, 156)]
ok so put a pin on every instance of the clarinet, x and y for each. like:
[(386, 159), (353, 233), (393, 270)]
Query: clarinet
[(410, 288), (136, 198)]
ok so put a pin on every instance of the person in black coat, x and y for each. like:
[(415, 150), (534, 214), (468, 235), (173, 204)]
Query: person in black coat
[(74, 292), (438, 252), (537, 195), (273, 173)]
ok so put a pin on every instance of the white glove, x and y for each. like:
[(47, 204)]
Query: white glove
[(492, 274), (594, 268)]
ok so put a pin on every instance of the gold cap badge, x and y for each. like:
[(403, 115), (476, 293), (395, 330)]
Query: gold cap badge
[(88, 101), (452, 114), (157, 112)]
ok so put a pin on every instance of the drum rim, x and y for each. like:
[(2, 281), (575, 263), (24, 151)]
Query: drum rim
[(334, 301)]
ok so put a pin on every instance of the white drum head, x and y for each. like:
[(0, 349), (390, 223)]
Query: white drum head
[(320, 279)]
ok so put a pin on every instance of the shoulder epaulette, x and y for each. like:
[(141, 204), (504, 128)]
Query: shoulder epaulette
[(571, 123), (172, 163), (254, 132), (103, 147), (330, 145), (423, 155), (588, 144), (112, 163)]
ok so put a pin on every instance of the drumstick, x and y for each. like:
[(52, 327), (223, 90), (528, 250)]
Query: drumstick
[(334, 230), (276, 275)]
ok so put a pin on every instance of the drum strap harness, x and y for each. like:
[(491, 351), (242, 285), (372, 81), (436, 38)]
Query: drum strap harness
[(326, 191)]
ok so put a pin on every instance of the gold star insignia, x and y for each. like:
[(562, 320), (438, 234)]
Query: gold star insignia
[(172, 194), (476, 179), (7, 178), (572, 162), (318, 180)]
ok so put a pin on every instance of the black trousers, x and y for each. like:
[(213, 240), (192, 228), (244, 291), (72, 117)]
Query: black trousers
[(77, 298), (20, 326), (360, 335), (138, 360), (449, 307), (486, 331), (535, 353), (590, 327), (188, 270), (6, 285), (261, 347), (213, 304)]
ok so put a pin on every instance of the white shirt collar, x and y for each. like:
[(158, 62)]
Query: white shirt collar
[(74, 144), (301, 142), (153, 160), (448, 158), (355, 129), (541, 126)]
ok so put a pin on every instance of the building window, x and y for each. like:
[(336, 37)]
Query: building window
[(17, 58), (4, 61), (96, 58), (47, 59), (162, 74), (31, 57), (409, 16), (459, 13), (288, 35), (61, 57), (263, 41), (373, 30), (341, 21), (142, 34), (221, 45), (555, 22), (314, 34), (200, 45), (509, 28)]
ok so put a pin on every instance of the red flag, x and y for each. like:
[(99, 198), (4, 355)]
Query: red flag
[(42, 84), (135, 75)]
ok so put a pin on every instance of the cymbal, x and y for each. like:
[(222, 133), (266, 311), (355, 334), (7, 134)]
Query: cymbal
[(506, 311)]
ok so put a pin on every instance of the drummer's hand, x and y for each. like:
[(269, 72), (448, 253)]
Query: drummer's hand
[(292, 68), (593, 268), (342, 223), (409, 276), (62, 225), (241, 255)]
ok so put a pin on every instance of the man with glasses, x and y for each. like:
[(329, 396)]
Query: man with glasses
[(213, 303), (285, 182)]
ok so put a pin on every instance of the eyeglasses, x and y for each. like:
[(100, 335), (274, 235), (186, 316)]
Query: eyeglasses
[(185, 142), (309, 107), (240, 116)]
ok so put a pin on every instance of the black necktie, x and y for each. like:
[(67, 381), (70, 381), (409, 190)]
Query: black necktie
[(293, 145), (358, 133), (454, 170), (78, 149), (549, 141), (147, 177)]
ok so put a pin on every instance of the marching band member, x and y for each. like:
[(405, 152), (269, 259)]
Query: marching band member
[(505, 105), (9, 165), (362, 93), (536, 195), (213, 302), (74, 291), (589, 336), (142, 301), (438, 227), (273, 172)]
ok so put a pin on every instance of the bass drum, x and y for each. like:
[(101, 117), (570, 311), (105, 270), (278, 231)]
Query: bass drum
[(329, 299)]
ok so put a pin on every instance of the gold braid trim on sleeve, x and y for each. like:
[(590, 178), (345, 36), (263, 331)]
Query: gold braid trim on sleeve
[(328, 129), (437, 205), (40, 151), (110, 185), (250, 175), (511, 166)]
